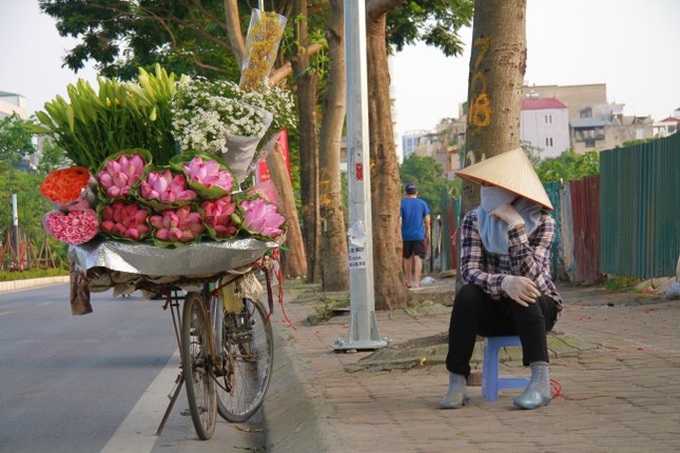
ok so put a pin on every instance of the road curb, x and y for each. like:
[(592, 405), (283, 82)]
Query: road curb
[(16, 285), (291, 421)]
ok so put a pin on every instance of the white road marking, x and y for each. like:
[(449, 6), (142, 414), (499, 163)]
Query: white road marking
[(137, 432)]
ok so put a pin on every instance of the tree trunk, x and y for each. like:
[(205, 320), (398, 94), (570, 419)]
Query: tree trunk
[(294, 261), (234, 34), (390, 290), (306, 81), (334, 232), (497, 67)]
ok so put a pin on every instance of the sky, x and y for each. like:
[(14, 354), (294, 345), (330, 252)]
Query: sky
[(627, 44), (31, 54)]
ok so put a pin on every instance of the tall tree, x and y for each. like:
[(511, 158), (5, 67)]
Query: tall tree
[(437, 23), (334, 231), (497, 67), (306, 81), (15, 140), (426, 172)]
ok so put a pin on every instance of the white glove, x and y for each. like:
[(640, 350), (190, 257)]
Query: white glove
[(508, 214), (520, 289)]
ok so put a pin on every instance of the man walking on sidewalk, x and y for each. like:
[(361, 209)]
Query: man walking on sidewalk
[(414, 216)]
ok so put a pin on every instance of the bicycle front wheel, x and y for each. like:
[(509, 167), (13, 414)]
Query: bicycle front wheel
[(249, 344), (196, 365)]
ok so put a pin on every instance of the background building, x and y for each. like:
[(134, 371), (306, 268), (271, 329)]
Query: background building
[(11, 103), (544, 123), (554, 119), (411, 140)]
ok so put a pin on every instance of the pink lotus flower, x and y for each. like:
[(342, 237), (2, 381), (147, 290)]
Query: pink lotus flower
[(119, 175), (74, 227), (177, 225), (219, 215), (260, 217), (208, 174), (166, 187), (125, 219)]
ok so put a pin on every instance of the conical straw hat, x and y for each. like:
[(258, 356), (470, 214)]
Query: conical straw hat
[(512, 171)]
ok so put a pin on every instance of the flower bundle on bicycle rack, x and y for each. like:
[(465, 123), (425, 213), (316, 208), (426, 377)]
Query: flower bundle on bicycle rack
[(153, 198), (133, 181), (187, 202)]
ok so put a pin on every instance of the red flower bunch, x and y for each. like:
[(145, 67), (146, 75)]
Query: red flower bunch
[(65, 185), (127, 220), (74, 227)]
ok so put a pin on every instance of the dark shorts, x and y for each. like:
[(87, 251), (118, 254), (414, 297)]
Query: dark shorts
[(414, 248)]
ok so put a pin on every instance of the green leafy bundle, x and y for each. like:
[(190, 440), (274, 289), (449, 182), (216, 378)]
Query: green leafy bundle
[(92, 125)]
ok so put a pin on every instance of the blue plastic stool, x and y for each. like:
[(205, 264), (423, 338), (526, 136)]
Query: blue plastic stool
[(491, 383)]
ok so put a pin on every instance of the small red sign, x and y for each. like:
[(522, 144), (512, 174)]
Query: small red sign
[(262, 173), (359, 171)]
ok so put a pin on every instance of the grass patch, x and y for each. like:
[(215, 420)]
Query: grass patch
[(8, 276), (323, 313), (614, 283)]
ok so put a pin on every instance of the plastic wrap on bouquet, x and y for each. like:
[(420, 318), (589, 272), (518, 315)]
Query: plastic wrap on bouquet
[(241, 150), (264, 150), (262, 44), (197, 260), (87, 200)]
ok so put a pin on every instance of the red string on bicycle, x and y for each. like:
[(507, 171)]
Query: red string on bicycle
[(276, 256)]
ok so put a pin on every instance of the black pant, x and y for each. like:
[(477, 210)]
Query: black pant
[(476, 313)]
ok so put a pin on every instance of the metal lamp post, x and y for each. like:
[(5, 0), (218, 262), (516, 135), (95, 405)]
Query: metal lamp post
[(363, 329)]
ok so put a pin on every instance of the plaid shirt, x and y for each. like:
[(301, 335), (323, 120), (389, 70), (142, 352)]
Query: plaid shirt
[(528, 257)]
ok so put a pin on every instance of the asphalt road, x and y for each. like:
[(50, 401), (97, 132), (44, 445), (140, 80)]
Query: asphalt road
[(98, 382)]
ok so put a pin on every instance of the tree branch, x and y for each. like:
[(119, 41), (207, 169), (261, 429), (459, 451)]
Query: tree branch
[(279, 74), (234, 32), (377, 8)]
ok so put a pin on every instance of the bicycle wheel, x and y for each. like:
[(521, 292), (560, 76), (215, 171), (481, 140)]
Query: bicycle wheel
[(249, 344), (196, 363)]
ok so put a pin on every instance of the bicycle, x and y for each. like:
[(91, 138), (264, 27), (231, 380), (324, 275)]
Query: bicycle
[(226, 356), (226, 349)]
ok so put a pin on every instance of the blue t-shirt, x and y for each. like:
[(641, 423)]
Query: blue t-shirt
[(413, 212)]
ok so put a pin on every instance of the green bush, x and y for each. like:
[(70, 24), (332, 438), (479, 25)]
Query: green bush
[(7, 276)]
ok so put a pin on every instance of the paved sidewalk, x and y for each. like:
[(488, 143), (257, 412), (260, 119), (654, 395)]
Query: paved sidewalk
[(619, 373)]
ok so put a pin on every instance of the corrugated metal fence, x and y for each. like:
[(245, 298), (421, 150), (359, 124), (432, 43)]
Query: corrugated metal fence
[(640, 216), (451, 216), (585, 226)]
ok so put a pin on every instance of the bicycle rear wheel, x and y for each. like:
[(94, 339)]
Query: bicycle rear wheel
[(249, 343), (196, 365)]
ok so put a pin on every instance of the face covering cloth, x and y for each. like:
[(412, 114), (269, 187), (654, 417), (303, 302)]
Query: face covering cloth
[(493, 231)]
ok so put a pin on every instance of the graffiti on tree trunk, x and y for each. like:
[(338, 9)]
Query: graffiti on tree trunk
[(480, 110)]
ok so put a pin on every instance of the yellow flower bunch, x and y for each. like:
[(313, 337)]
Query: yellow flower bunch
[(262, 44)]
